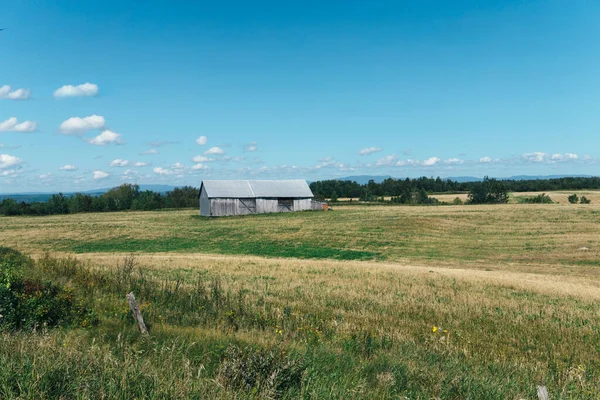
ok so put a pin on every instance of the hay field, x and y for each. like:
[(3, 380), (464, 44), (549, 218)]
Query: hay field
[(557, 196), (356, 293), (552, 239)]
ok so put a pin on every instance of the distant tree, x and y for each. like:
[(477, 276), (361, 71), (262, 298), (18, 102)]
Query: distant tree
[(334, 196), (58, 204), (80, 203), (10, 207), (457, 201), (366, 195), (584, 200), (148, 200), (182, 197), (121, 197), (98, 204), (573, 199), (488, 191)]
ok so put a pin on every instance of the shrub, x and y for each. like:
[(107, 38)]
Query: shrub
[(457, 201), (27, 303), (573, 199), (584, 200), (270, 373), (539, 199)]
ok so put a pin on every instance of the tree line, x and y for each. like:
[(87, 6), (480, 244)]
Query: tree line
[(334, 189), (402, 191), (124, 197)]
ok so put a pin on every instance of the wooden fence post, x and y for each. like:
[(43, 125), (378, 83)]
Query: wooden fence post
[(137, 314), (542, 393)]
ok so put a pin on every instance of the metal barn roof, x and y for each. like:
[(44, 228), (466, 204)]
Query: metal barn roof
[(250, 189)]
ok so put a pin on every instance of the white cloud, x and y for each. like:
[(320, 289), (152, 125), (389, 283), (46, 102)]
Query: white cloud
[(7, 161), (151, 151), (106, 137), (536, 156), (178, 166), (454, 161), (431, 161), (18, 94), (201, 159), (485, 160), (78, 126), (11, 173), (251, 147), (410, 161), (68, 167), (119, 163), (330, 163), (564, 157), (86, 89), (369, 150), (199, 166), (100, 175), (202, 140), (45, 176), (161, 171), (387, 160), (214, 150), (140, 164), (13, 125)]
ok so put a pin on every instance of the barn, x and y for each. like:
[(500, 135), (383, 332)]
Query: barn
[(240, 197)]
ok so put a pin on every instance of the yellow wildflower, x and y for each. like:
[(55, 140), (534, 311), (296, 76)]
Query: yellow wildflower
[(434, 329)]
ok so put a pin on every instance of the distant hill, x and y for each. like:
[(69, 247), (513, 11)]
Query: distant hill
[(32, 197)]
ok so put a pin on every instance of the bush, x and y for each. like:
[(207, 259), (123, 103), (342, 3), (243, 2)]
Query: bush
[(573, 199), (584, 200), (539, 199), (270, 373), (27, 303), (457, 201)]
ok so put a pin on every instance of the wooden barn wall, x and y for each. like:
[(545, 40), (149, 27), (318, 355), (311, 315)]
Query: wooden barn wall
[(266, 205), (302, 204), (204, 203), (222, 207)]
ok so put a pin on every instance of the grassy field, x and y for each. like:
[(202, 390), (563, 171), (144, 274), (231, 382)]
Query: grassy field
[(560, 197), (362, 302)]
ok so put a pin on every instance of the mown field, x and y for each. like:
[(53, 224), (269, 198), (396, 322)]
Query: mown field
[(560, 197), (361, 302)]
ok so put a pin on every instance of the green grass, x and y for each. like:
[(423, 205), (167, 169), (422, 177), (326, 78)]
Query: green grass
[(225, 246), (343, 344), (318, 300), (482, 234)]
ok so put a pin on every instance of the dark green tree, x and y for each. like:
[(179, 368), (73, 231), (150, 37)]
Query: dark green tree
[(573, 199)]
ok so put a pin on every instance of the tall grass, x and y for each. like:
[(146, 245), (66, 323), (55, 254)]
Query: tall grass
[(346, 333)]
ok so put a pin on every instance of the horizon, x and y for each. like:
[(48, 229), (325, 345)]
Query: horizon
[(379, 178), (171, 94)]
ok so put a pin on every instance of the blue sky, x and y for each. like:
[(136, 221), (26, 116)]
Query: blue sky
[(93, 94)]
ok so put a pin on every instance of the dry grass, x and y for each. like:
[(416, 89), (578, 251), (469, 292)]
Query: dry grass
[(550, 239), (557, 196), (510, 283)]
